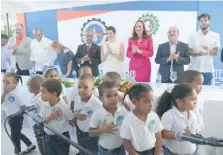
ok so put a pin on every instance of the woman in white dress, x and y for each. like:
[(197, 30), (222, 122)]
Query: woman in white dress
[(112, 53)]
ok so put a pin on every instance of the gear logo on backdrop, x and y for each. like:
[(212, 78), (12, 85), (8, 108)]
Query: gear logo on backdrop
[(99, 29), (151, 22)]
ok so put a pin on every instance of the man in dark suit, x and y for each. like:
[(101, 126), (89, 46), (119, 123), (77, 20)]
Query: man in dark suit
[(89, 54), (172, 56)]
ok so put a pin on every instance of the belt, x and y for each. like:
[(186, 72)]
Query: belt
[(113, 150), (53, 137), (147, 151), (81, 133)]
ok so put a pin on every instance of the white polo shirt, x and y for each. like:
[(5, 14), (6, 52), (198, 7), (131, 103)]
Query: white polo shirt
[(60, 124), (38, 102), (141, 134), (74, 93), (198, 111), (174, 121), (12, 102), (107, 140), (203, 63), (87, 108), (42, 53)]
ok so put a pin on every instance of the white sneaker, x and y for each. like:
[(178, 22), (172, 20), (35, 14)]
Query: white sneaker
[(29, 149)]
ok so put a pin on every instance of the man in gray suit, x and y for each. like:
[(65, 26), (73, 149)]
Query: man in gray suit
[(172, 56), (19, 45)]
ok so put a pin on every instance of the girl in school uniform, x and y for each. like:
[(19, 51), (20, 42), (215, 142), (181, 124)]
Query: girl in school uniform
[(141, 128), (12, 102), (106, 122), (52, 73), (174, 109)]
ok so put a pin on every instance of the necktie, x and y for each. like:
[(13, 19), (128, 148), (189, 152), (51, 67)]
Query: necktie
[(88, 48)]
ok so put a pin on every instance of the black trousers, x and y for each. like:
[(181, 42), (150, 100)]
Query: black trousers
[(87, 142), (21, 72), (147, 152), (56, 145), (15, 124)]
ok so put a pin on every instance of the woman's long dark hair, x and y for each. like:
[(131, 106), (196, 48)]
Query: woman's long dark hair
[(167, 100)]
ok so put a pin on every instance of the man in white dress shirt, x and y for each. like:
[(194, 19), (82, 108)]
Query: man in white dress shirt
[(42, 54), (203, 46)]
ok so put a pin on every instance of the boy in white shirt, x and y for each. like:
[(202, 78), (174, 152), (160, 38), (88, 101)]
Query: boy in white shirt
[(12, 103), (83, 70), (57, 115), (85, 106), (116, 78), (34, 84), (106, 122)]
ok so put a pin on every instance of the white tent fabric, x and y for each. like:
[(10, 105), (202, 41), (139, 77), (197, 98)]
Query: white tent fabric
[(12, 7)]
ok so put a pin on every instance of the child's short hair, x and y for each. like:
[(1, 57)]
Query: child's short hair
[(86, 77), (114, 76), (36, 81), (53, 86), (105, 85), (83, 67), (48, 69), (189, 75), (169, 97), (16, 76), (137, 90)]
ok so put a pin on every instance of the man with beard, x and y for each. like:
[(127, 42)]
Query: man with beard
[(172, 56), (203, 46)]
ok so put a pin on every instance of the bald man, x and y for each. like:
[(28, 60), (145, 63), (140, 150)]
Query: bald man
[(172, 56), (19, 46), (89, 53)]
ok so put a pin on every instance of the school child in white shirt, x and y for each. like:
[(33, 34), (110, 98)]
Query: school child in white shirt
[(83, 70), (34, 83), (57, 115), (106, 122), (12, 102), (116, 78), (141, 128), (174, 109), (85, 106), (195, 80), (52, 73)]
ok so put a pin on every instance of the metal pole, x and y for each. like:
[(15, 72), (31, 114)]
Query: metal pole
[(7, 20), (80, 148)]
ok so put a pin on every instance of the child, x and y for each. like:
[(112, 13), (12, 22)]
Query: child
[(195, 80), (116, 79), (85, 105), (34, 84), (51, 73), (173, 109), (83, 70), (141, 128), (106, 122), (57, 115), (12, 102)]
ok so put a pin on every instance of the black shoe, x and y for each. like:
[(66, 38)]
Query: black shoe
[(29, 149)]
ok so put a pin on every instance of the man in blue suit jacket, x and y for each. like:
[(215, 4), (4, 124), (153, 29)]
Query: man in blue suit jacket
[(172, 56)]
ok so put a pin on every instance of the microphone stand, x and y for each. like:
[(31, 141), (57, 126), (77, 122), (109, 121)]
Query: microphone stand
[(40, 121)]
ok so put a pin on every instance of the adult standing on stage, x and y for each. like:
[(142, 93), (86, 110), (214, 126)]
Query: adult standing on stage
[(19, 45), (172, 56), (140, 49), (203, 46), (65, 59), (112, 53), (89, 53), (42, 54)]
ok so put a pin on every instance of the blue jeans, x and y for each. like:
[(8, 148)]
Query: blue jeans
[(56, 145), (197, 151), (208, 78), (119, 151)]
